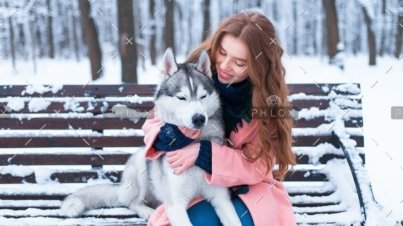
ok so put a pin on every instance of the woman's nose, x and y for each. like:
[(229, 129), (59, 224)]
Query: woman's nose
[(225, 64)]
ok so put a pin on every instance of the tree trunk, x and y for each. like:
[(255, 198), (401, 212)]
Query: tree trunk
[(399, 32), (51, 47), (127, 43), (295, 28), (22, 42), (383, 37), (188, 17), (332, 31), (153, 39), (234, 6), (206, 17), (12, 39), (315, 35), (370, 37), (169, 35), (91, 39), (65, 40), (32, 43), (75, 36), (274, 7)]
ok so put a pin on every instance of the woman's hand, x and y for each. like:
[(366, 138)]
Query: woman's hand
[(181, 159), (172, 137)]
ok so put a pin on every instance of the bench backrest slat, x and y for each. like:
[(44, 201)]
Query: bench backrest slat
[(70, 123), (78, 90), (95, 107), (102, 141), (81, 158), (83, 176)]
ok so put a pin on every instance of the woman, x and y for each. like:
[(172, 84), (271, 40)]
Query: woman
[(246, 61)]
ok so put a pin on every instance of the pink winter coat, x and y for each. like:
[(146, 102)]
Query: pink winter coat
[(267, 199)]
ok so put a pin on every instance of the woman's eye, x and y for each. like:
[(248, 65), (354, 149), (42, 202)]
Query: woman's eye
[(181, 98), (204, 96), (240, 64), (222, 52)]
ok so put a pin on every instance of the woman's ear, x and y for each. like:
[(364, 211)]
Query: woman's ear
[(203, 64), (169, 65)]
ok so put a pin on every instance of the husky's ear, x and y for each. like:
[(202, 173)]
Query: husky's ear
[(168, 63), (204, 64)]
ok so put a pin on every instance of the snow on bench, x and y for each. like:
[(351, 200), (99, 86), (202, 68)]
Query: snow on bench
[(57, 139)]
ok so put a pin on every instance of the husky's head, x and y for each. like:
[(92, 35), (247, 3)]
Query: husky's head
[(187, 96)]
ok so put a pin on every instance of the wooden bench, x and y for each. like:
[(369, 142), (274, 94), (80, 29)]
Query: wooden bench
[(56, 139)]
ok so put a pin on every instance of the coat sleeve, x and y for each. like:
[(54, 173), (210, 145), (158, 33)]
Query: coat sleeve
[(151, 129), (230, 167)]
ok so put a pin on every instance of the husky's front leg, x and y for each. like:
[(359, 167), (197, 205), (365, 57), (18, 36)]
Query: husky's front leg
[(142, 210), (177, 214), (221, 201)]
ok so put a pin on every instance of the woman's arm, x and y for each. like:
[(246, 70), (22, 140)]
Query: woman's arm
[(225, 166), (231, 168), (151, 128)]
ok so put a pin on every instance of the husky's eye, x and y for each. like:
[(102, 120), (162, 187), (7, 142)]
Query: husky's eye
[(181, 98), (204, 96)]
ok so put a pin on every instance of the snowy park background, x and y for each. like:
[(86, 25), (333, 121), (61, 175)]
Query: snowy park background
[(42, 42)]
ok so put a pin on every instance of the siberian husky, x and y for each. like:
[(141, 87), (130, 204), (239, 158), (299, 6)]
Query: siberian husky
[(187, 92)]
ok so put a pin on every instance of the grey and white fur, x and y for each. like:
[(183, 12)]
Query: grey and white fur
[(186, 97)]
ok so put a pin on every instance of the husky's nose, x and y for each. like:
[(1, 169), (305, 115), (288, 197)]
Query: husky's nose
[(198, 120)]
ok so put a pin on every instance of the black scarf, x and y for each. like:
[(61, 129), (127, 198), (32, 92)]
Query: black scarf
[(237, 103)]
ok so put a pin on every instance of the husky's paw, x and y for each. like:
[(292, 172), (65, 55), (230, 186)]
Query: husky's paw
[(145, 213), (72, 207), (142, 210)]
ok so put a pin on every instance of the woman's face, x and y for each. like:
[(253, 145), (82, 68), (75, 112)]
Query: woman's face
[(231, 59)]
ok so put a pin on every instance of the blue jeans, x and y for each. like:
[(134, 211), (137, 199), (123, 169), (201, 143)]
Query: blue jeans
[(203, 214)]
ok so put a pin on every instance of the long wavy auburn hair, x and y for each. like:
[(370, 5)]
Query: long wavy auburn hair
[(266, 73)]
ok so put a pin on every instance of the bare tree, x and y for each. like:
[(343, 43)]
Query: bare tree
[(399, 32), (51, 47), (91, 39), (169, 35), (127, 43), (206, 17), (30, 27), (153, 38), (382, 46), (332, 31), (370, 36), (259, 3), (295, 28), (74, 35), (11, 39)]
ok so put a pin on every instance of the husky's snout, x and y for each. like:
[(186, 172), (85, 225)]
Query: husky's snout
[(198, 120)]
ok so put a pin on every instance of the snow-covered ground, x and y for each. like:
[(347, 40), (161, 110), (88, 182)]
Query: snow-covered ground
[(381, 89)]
